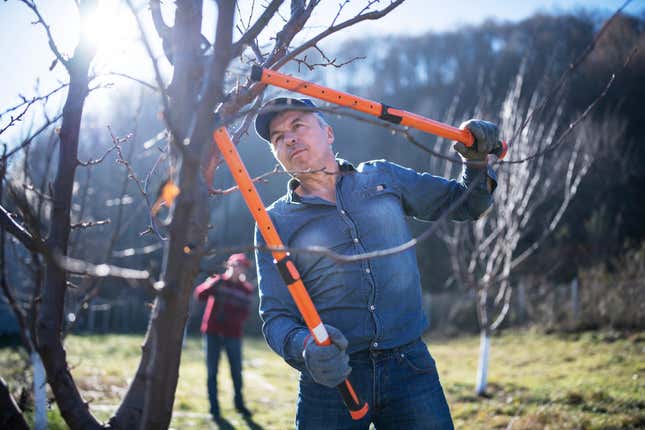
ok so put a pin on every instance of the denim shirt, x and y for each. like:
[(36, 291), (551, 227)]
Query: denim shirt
[(375, 303)]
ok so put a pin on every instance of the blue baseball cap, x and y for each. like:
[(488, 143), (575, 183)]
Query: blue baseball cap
[(274, 107)]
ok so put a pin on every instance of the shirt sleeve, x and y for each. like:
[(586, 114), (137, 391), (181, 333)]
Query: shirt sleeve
[(282, 327), (427, 197)]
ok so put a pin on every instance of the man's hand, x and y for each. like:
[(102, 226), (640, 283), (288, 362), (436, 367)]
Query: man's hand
[(328, 365), (486, 136)]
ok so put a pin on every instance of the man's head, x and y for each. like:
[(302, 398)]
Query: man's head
[(299, 136), (279, 105)]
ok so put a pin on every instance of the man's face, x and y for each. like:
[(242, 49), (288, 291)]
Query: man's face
[(299, 142)]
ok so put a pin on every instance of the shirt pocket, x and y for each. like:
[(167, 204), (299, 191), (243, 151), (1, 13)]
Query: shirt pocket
[(380, 216), (379, 198)]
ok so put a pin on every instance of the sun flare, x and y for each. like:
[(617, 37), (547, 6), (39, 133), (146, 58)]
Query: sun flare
[(114, 33)]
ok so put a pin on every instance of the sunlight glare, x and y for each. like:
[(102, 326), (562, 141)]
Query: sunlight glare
[(114, 33)]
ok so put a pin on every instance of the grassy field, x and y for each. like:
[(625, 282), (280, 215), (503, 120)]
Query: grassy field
[(536, 381)]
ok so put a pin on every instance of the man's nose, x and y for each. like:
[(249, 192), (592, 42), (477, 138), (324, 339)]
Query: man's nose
[(290, 138)]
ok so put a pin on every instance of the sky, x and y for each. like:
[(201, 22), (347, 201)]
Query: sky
[(27, 57)]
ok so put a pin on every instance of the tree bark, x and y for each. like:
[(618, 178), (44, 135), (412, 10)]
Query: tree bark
[(10, 414), (149, 401)]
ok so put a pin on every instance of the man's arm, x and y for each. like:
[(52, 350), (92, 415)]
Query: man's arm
[(282, 327), (427, 197)]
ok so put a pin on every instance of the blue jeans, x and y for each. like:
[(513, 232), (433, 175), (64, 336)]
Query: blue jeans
[(401, 386), (233, 347)]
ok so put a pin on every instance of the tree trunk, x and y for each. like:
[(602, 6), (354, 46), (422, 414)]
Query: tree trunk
[(482, 367), (149, 401), (49, 324)]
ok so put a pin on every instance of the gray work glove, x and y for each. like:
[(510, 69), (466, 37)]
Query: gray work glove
[(327, 365), (486, 136)]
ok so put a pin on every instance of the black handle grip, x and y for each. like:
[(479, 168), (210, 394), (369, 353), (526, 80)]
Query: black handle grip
[(357, 408), (256, 73)]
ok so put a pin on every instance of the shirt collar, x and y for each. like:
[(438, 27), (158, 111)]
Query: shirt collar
[(292, 197)]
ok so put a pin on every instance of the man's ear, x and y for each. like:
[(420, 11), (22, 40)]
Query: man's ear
[(330, 135)]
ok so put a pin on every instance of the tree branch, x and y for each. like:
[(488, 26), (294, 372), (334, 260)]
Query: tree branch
[(31, 138), (335, 28), (249, 36), (564, 78), (52, 44), (18, 231), (27, 103)]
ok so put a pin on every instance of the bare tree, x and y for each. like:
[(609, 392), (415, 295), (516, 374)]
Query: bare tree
[(530, 201)]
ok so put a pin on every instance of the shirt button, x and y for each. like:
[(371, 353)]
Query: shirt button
[(342, 211), (355, 240), (367, 270), (372, 307), (375, 344)]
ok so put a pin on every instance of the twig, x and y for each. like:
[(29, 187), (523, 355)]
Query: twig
[(335, 28), (90, 224), (132, 175), (575, 122), (52, 44), (328, 62), (27, 103), (18, 231), (80, 267), (146, 43), (253, 32), (341, 6), (129, 252), (261, 178), (30, 139), (99, 160), (564, 78), (132, 78)]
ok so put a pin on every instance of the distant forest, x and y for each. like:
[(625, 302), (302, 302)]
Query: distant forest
[(450, 77)]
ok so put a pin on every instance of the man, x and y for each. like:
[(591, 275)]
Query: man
[(227, 298), (371, 308)]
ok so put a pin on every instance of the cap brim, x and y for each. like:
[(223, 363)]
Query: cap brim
[(273, 108)]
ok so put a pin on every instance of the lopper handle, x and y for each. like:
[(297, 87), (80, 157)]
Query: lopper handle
[(356, 407), (287, 269), (380, 110)]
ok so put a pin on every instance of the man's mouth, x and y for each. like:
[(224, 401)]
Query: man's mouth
[(297, 152)]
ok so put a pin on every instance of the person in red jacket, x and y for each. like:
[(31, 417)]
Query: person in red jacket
[(227, 298)]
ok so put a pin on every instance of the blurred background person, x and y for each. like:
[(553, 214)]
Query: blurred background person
[(228, 297)]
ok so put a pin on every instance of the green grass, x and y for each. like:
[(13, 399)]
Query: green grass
[(536, 381)]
